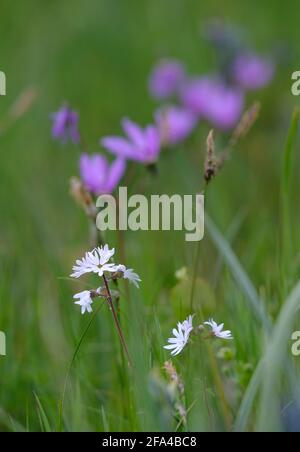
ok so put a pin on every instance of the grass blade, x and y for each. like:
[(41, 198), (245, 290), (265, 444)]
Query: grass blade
[(10, 423), (45, 425), (288, 153), (287, 164), (275, 362), (248, 399), (61, 404), (254, 301), (268, 370)]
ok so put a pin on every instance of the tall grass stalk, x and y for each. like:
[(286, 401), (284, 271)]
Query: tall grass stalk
[(285, 204)]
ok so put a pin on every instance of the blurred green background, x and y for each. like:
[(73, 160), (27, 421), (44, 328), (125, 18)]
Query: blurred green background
[(97, 55)]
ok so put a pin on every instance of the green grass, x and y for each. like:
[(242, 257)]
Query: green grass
[(62, 370)]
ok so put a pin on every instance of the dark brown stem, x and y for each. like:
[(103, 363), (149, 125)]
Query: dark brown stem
[(116, 320)]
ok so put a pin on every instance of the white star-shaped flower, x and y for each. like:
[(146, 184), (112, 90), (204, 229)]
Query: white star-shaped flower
[(84, 300), (129, 274), (95, 261), (217, 330), (181, 336)]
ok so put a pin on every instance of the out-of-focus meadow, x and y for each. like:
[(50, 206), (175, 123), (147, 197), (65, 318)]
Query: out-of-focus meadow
[(97, 55)]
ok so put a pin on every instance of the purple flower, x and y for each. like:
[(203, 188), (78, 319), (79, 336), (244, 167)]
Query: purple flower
[(252, 72), (174, 124), (98, 176), (142, 145), (213, 100), (166, 78), (65, 125)]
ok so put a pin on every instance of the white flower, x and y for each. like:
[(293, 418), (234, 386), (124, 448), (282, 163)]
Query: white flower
[(84, 301), (181, 336), (105, 254), (217, 330), (129, 274), (95, 261)]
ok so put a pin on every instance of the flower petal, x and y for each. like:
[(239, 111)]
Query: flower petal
[(119, 146)]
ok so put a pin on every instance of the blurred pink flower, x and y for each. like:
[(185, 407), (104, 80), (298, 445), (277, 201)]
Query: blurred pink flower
[(175, 124), (213, 100), (142, 145), (166, 78), (98, 176), (252, 72), (65, 125)]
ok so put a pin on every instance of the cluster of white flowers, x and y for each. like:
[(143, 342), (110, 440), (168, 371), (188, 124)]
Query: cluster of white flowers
[(184, 329), (98, 261), (95, 261)]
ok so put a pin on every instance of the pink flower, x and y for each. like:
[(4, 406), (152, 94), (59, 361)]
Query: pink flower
[(252, 72), (166, 78), (142, 145), (65, 125), (98, 176), (175, 124), (213, 100)]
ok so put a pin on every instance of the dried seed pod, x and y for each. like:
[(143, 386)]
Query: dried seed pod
[(82, 196), (245, 123), (211, 161), (174, 376)]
